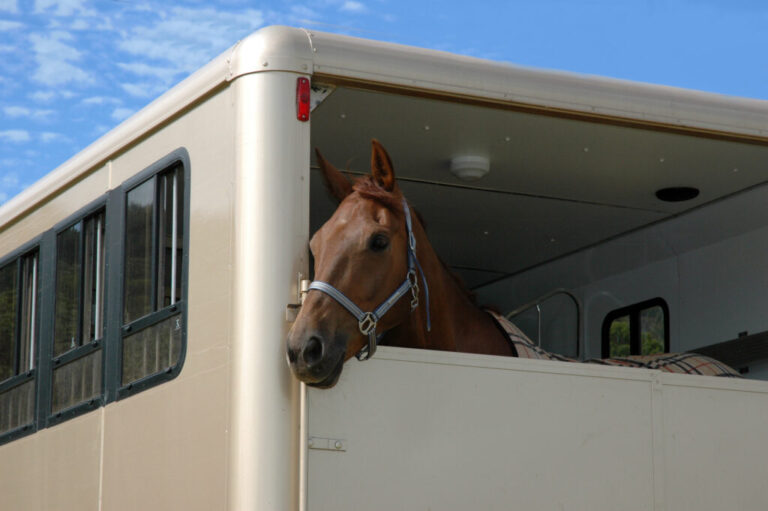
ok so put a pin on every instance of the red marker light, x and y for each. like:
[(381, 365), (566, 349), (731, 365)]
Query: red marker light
[(302, 99)]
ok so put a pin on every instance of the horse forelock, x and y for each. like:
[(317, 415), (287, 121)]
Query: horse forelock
[(367, 188)]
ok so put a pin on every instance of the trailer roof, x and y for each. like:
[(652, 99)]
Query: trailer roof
[(374, 64)]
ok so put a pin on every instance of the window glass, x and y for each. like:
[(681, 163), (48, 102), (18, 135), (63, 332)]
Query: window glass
[(18, 313), (152, 350), (76, 382), (8, 301), (79, 284), (79, 311), (652, 331), (153, 275), (93, 279), (619, 337), (17, 406), (67, 289), (138, 252), (26, 356), (170, 236), (639, 329)]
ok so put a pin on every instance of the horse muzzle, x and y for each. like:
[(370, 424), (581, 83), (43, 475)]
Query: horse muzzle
[(315, 359)]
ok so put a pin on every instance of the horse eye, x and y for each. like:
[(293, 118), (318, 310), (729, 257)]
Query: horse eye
[(378, 242)]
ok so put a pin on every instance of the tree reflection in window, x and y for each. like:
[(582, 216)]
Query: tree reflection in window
[(154, 232), (79, 314)]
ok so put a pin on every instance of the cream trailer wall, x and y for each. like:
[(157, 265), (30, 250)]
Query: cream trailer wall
[(232, 430), (143, 452)]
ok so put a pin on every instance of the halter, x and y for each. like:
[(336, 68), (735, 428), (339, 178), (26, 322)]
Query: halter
[(367, 321)]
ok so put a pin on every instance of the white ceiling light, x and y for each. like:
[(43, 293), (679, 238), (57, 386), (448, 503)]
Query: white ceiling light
[(470, 168)]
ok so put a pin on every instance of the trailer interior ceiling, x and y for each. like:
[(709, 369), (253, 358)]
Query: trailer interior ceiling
[(556, 184)]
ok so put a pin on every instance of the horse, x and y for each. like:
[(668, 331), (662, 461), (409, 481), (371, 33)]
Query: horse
[(371, 256), (363, 251)]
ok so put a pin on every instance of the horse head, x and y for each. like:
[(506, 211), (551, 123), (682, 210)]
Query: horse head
[(366, 276)]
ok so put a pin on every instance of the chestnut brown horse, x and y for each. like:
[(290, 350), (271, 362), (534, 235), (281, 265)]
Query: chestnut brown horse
[(365, 263)]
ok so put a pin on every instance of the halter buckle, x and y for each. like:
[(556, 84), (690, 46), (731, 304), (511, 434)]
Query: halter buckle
[(367, 324), (413, 280)]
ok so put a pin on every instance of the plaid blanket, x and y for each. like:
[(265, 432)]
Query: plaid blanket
[(685, 363)]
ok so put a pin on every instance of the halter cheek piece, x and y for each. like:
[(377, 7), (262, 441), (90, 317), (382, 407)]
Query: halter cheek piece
[(367, 321)]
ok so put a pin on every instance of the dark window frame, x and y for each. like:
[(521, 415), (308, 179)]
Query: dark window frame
[(45, 246), (34, 246), (56, 362), (633, 312), (179, 158)]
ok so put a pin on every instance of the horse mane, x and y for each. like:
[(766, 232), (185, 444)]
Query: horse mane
[(369, 189)]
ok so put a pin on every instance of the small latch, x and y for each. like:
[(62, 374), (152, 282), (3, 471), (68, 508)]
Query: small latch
[(292, 309), (326, 444), (303, 288)]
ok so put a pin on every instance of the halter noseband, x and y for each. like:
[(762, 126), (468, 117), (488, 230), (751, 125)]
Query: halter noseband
[(367, 321)]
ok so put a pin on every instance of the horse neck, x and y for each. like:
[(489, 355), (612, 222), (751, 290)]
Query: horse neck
[(457, 324)]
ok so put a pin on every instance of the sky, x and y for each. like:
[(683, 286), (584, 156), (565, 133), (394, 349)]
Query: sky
[(71, 70)]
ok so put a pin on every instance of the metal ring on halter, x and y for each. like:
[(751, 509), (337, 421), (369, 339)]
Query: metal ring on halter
[(367, 323), (413, 279)]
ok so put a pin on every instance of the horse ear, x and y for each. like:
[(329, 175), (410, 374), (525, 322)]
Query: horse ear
[(335, 181), (381, 166)]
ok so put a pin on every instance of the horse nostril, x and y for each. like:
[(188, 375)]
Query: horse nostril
[(313, 351), (293, 355)]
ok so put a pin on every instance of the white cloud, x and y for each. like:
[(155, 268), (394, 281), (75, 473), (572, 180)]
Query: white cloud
[(184, 39), (144, 89), (7, 26), (303, 12), (101, 100), (99, 130), (120, 114), (9, 6), (352, 6), (63, 7), (43, 96), (10, 180), (50, 136), (80, 24), (16, 111), (162, 73), (15, 136), (27, 113), (55, 60)]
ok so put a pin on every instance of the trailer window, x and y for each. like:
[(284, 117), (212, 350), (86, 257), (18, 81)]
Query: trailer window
[(79, 313), (640, 329), (18, 342), (152, 293)]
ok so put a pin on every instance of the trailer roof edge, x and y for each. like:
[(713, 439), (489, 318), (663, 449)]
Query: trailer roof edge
[(278, 48)]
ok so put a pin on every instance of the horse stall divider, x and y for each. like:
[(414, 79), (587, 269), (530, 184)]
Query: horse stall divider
[(432, 430)]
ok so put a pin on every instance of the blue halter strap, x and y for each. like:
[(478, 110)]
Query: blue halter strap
[(367, 321)]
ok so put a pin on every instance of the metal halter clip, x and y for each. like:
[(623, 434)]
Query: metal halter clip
[(413, 279), (367, 324)]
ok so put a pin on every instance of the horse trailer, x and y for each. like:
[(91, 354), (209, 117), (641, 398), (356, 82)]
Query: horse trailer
[(147, 286)]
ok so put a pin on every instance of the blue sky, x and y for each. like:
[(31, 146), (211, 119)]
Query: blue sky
[(70, 70)]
